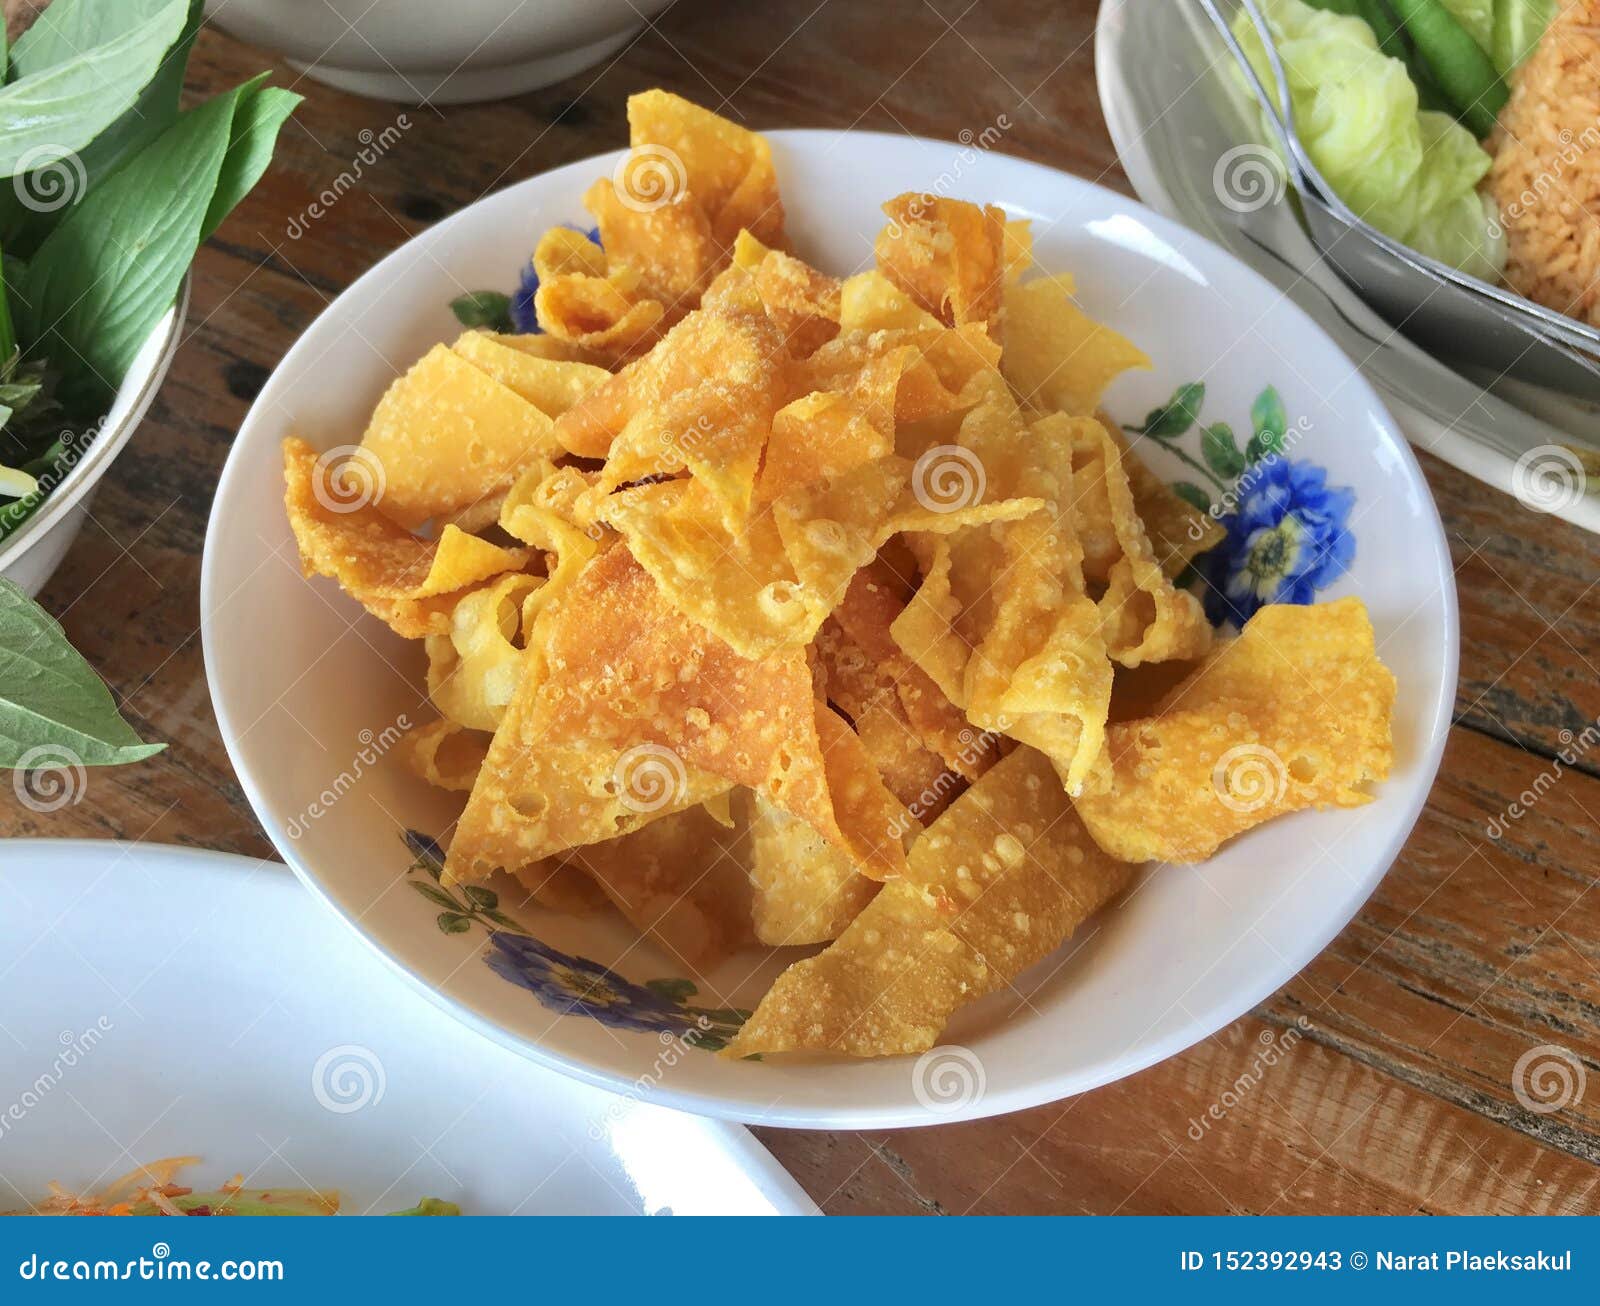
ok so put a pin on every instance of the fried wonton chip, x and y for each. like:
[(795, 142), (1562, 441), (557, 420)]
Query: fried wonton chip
[(447, 435), (948, 255), (1294, 713), (1179, 532), (1058, 358), (802, 302), (561, 887), (596, 316), (1143, 617), (681, 881), (804, 890), (867, 615), (445, 754), (724, 169), (869, 302), (473, 671), (550, 386), (540, 510), (633, 711), (993, 886), (409, 582), (702, 402), (1002, 623)]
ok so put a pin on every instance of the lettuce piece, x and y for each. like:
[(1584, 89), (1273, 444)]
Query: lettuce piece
[(1412, 174), (1477, 18)]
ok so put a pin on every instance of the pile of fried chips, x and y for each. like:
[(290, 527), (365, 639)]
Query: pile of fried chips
[(768, 608)]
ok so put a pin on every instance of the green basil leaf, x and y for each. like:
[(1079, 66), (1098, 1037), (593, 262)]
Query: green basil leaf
[(1178, 414), (1220, 450), (483, 308), (50, 697), (250, 144), (78, 71), (102, 279)]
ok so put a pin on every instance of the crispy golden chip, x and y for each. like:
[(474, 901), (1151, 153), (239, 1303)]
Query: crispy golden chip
[(804, 889), (1143, 617), (593, 315), (660, 251), (550, 386), (447, 435), (561, 887), (802, 302), (1018, 248), (681, 881), (702, 402), (541, 510), (568, 252), (869, 302), (1294, 713), (948, 255), (1058, 358), (866, 693), (473, 671), (444, 754), (633, 711), (726, 170), (413, 584), (867, 615), (1179, 532), (993, 886), (1002, 623)]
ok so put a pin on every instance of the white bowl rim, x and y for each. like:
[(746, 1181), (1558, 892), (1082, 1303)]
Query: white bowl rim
[(998, 1100), (105, 447)]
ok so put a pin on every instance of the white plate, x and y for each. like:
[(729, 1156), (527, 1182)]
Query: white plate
[(1181, 136), (308, 690), (166, 1002)]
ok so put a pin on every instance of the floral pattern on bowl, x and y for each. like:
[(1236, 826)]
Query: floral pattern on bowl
[(1287, 530), (567, 984)]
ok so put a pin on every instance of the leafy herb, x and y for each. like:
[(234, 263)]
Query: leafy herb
[(78, 69), (102, 279), (50, 698)]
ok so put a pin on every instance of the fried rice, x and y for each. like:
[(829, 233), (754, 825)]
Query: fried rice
[(1546, 173)]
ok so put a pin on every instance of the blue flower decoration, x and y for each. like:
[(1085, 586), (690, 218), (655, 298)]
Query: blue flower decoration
[(1287, 538), (578, 986), (524, 321)]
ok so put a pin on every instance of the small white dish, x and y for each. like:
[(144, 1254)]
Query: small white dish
[(30, 555), (309, 692), (1176, 128), (170, 1002), (424, 52)]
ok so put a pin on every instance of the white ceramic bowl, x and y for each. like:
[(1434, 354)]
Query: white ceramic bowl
[(421, 50), (307, 689), (32, 553)]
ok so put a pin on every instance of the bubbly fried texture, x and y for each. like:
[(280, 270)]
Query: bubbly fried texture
[(631, 711), (764, 607), (993, 886), (1292, 714)]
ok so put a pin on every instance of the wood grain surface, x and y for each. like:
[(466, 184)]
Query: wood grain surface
[(1396, 1088)]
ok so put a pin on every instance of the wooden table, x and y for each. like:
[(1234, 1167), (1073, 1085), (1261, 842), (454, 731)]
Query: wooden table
[(1473, 951)]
